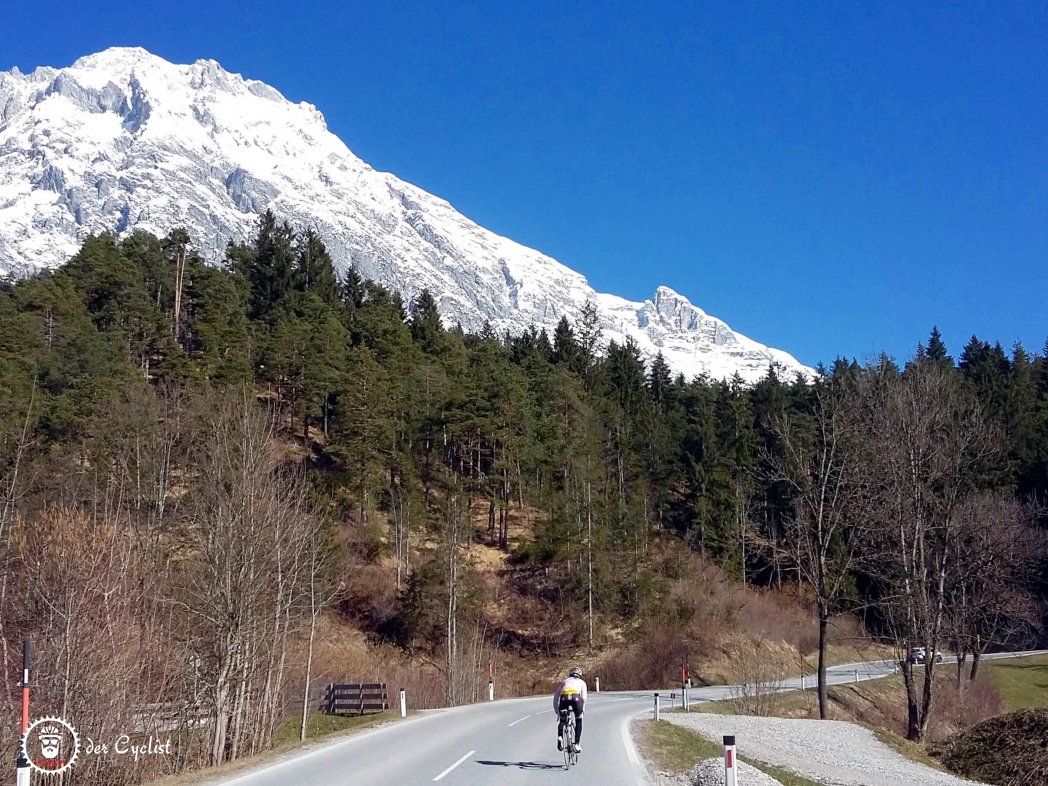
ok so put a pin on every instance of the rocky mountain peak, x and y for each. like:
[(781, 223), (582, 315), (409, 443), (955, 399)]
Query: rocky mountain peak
[(124, 140)]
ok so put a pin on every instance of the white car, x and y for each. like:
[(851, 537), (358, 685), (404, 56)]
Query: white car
[(918, 655)]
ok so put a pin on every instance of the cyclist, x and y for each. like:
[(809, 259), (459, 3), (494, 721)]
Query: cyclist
[(570, 695)]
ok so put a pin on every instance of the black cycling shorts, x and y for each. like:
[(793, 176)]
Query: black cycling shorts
[(571, 701)]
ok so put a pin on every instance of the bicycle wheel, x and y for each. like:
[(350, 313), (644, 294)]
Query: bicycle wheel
[(573, 758), (569, 741)]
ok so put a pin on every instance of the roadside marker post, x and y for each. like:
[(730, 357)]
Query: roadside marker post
[(596, 682), (684, 697), (22, 764), (856, 675), (730, 761), (403, 703), (656, 706), (491, 690)]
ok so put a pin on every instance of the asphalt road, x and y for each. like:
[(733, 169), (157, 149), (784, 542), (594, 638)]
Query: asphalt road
[(511, 741), (506, 742)]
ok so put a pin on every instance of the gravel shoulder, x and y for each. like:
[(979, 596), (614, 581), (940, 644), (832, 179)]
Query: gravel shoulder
[(711, 772), (831, 752)]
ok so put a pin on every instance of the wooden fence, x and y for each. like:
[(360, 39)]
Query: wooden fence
[(355, 698)]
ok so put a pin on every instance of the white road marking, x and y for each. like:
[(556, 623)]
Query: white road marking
[(519, 720), (453, 766), (639, 770)]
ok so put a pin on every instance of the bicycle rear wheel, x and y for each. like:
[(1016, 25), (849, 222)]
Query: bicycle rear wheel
[(569, 741)]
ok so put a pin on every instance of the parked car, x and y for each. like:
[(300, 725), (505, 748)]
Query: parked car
[(918, 655)]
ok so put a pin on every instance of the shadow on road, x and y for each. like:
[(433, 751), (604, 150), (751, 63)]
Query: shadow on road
[(523, 765)]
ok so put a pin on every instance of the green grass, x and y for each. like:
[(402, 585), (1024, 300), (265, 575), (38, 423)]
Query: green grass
[(675, 749), (319, 726), (1023, 682)]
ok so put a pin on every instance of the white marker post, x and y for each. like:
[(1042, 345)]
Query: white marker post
[(731, 763), (403, 703), (596, 681), (491, 690), (684, 696), (802, 682), (656, 707), (856, 675)]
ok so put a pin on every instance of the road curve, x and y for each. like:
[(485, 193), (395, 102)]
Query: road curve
[(511, 741), (507, 742)]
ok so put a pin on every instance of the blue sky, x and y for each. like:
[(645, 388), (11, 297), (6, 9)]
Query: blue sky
[(829, 178)]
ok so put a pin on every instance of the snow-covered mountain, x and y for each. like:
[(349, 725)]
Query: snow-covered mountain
[(125, 140)]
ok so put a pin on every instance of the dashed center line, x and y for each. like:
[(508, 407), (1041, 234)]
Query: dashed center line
[(453, 766), (519, 720)]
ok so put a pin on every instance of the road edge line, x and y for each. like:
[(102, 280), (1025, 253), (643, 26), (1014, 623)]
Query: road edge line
[(640, 769)]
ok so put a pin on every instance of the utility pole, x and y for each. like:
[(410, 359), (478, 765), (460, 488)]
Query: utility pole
[(22, 766)]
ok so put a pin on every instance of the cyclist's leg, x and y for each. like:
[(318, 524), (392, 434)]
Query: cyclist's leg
[(576, 709)]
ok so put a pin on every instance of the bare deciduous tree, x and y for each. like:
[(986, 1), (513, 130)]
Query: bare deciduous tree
[(819, 463), (246, 572), (994, 565), (926, 443)]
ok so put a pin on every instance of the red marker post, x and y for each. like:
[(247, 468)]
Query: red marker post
[(731, 764), (22, 766)]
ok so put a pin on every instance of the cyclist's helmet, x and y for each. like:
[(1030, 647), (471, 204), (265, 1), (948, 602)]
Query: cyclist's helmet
[(575, 672)]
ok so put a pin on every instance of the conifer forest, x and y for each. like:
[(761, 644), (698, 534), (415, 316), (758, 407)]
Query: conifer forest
[(203, 469)]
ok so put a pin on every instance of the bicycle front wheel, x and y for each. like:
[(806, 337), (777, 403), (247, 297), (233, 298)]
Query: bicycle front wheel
[(569, 742)]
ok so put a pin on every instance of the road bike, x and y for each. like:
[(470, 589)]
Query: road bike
[(571, 757)]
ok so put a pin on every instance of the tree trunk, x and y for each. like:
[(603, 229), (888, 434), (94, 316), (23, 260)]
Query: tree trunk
[(589, 558), (309, 668), (913, 710), (926, 695), (823, 624)]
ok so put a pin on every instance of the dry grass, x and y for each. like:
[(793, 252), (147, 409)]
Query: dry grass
[(716, 624), (1009, 750), (881, 705), (694, 612)]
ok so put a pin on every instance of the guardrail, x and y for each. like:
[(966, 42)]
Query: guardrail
[(355, 698)]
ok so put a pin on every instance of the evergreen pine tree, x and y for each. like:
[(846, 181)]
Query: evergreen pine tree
[(353, 289), (1042, 374), (566, 350), (1023, 417), (270, 267), (315, 271), (425, 323), (660, 382), (588, 338), (936, 351)]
